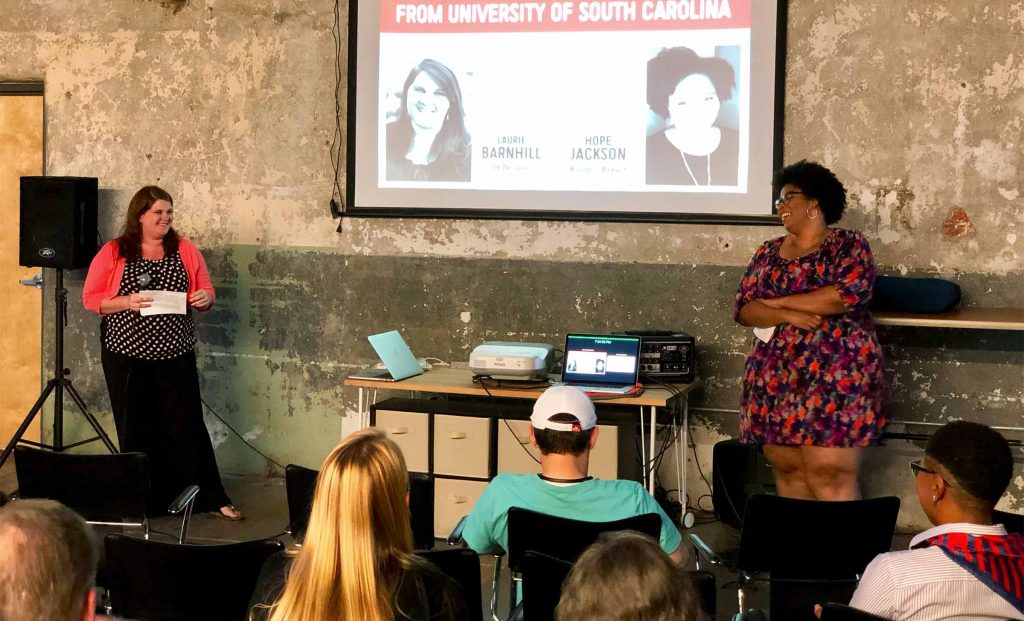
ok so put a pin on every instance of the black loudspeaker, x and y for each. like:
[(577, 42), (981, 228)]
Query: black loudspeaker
[(739, 470), (58, 221), (421, 510)]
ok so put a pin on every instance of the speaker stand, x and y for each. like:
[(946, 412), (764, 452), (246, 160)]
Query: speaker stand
[(57, 384)]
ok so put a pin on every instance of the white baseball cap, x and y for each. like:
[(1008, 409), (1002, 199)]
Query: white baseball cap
[(564, 400)]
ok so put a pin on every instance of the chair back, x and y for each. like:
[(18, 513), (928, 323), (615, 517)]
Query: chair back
[(158, 581), (1013, 522), (707, 590), (565, 538), (796, 539), (813, 550), (299, 485), (101, 488), (543, 576), (841, 612), (462, 565), (421, 510)]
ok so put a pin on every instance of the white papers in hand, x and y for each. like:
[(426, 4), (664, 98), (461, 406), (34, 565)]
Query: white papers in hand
[(164, 303), (765, 334)]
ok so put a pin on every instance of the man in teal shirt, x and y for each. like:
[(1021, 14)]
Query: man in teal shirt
[(564, 429)]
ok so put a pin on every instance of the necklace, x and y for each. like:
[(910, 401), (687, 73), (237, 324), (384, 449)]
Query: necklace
[(557, 480), (687, 164)]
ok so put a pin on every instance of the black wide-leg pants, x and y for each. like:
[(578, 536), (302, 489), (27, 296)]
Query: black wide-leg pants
[(158, 411)]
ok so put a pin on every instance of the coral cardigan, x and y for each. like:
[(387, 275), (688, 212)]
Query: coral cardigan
[(104, 278)]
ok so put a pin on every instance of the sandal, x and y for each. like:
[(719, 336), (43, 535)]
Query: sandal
[(229, 512)]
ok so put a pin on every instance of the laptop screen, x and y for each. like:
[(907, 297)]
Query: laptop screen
[(600, 358)]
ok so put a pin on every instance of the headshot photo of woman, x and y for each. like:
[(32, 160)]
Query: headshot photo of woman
[(428, 140), (695, 148)]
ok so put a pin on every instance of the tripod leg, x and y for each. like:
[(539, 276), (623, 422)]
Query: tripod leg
[(77, 398), (50, 385)]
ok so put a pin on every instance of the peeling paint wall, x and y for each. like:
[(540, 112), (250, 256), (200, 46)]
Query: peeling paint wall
[(917, 105)]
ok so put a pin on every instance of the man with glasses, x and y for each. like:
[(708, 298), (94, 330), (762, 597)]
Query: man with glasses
[(965, 568)]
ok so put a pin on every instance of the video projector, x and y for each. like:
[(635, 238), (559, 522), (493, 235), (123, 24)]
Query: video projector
[(512, 361)]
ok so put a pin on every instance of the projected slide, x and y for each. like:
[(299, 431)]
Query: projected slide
[(560, 109)]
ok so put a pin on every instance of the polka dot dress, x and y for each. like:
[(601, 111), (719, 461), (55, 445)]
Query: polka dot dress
[(156, 337)]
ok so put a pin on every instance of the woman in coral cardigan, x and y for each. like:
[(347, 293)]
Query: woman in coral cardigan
[(148, 359)]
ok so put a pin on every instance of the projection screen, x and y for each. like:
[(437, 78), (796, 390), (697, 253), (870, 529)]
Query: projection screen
[(663, 110)]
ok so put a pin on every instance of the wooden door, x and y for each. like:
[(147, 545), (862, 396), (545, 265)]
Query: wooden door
[(21, 154)]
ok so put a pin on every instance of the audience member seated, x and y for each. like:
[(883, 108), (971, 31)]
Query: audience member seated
[(563, 428), (964, 568), (356, 561), (48, 558), (625, 576)]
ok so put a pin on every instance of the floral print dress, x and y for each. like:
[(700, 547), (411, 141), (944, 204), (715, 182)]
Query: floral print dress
[(822, 387)]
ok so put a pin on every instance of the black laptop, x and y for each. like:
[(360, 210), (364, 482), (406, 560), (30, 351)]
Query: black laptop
[(601, 363)]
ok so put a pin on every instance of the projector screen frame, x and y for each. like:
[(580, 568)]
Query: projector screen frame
[(353, 209)]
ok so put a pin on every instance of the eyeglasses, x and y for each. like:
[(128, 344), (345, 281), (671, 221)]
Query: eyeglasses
[(785, 198), (917, 468)]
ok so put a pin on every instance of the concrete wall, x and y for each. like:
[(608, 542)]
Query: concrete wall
[(917, 105)]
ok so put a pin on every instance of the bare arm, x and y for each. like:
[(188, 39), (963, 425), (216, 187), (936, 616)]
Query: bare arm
[(824, 301), (681, 555)]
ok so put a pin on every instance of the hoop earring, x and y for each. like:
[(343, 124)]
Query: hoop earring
[(809, 216)]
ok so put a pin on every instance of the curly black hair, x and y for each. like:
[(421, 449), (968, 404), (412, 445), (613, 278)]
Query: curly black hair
[(816, 182), (977, 456), (672, 64)]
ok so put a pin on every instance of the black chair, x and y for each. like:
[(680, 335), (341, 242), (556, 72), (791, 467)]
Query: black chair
[(841, 612), (300, 484), (560, 538), (106, 490), (707, 590), (812, 551), (1013, 522), (421, 510), (544, 575), (156, 581), (463, 566)]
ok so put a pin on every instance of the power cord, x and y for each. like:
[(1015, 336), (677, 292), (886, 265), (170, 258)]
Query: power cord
[(655, 461), (693, 449), (244, 441), (678, 415), (337, 196), (482, 380)]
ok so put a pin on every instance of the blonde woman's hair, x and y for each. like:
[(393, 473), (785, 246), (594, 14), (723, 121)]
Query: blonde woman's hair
[(359, 541), (626, 576)]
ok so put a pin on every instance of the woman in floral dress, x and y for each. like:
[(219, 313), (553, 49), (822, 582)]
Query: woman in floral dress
[(813, 381)]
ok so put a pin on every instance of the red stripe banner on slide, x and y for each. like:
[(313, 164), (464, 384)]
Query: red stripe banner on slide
[(448, 16)]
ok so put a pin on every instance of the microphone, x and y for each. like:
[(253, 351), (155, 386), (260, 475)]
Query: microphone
[(144, 279)]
